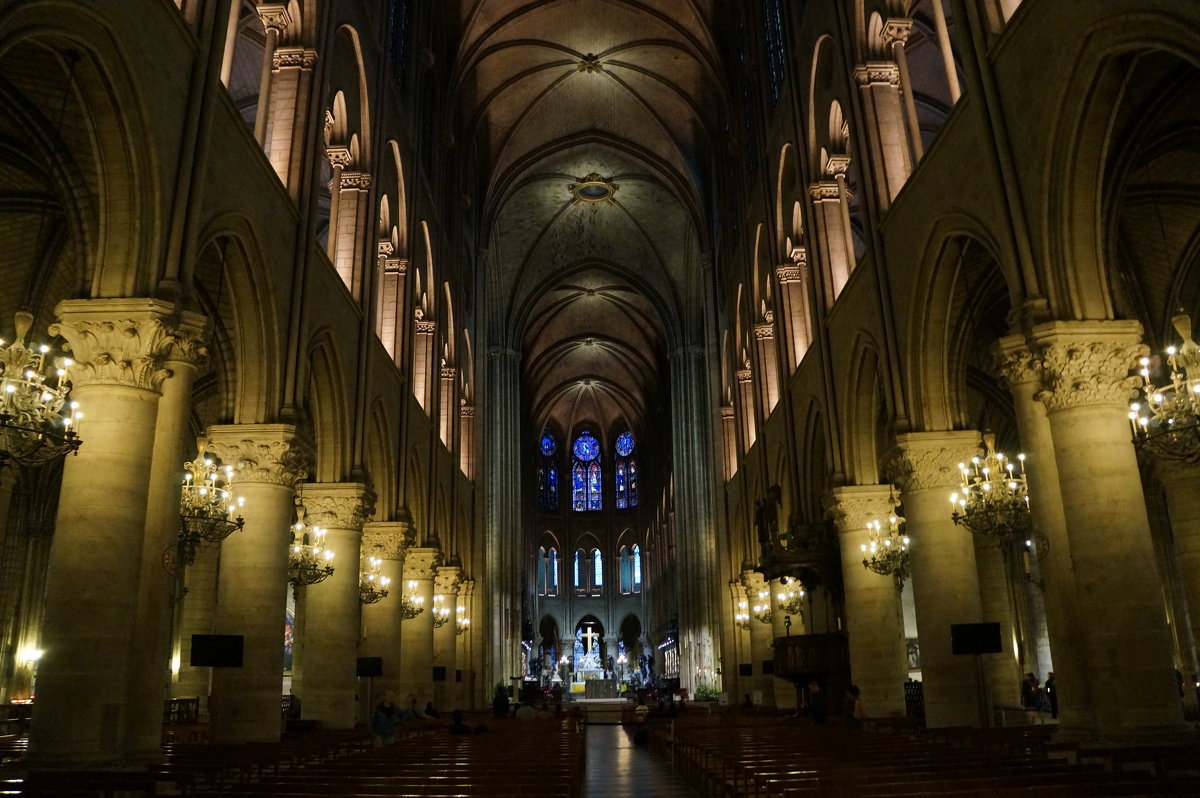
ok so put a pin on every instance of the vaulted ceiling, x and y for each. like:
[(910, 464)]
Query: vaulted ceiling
[(593, 284)]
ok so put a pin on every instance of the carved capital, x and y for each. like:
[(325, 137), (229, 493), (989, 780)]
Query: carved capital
[(824, 190), (929, 460), (753, 583), (727, 412), (422, 563), (1088, 363), (448, 372), (764, 332), (466, 589), (274, 16), (338, 505), (1016, 362), (466, 411), (261, 453), (445, 581), (743, 375), (126, 341), (396, 266), (897, 29), (877, 73), (426, 327), (789, 273), (388, 540), (852, 506), (384, 249), (355, 180), (293, 58), (339, 156), (837, 165)]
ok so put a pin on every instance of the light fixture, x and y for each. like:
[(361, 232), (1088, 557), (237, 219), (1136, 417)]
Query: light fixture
[(886, 552), (410, 603), (741, 618), (994, 498), (35, 416), (462, 623), (593, 188), (206, 504), (372, 585), (790, 596), (309, 562), (762, 609), (441, 613), (1166, 419)]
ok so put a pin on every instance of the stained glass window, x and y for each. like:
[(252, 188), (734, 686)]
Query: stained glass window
[(547, 472), (580, 587), (625, 444), (594, 499), (587, 477), (626, 574), (578, 487), (636, 556), (548, 444), (625, 478), (541, 571), (586, 446), (598, 571), (553, 591), (622, 498)]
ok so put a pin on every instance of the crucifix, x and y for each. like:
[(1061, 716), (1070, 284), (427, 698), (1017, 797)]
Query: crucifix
[(590, 637)]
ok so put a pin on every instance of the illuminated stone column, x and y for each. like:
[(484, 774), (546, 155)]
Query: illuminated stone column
[(252, 587), (445, 588), (891, 161), (1179, 481), (944, 578), (389, 541), (197, 609), (92, 590), (762, 635), (768, 363), (793, 296), (874, 616), (332, 621), (1086, 386), (465, 645), (288, 114), (416, 634)]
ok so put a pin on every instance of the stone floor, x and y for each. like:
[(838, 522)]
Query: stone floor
[(616, 768)]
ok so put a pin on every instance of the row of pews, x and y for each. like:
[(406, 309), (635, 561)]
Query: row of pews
[(755, 756), (512, 758)]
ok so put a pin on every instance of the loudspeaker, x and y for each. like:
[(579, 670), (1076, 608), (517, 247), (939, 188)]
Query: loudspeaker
[(217, 651), (439, 673), (975, 638), (369, 666), (745, 669)]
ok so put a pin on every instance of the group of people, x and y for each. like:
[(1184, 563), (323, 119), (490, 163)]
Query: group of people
[(817, 711), (1039, 698), (387, 717)]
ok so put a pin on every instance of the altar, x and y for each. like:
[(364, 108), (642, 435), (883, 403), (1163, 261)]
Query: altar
[(600, 688)]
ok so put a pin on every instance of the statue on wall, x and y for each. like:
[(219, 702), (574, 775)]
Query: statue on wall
[(766, 520)]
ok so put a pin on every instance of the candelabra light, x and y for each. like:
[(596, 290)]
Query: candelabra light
[(741, 618), (790, 596), (372, 585), (1166, 419), (410, 604), (994, 498), (310, 562), (441, 613), (35, 415), (461, 622), (886, 552), (206, 505), (762, 608)]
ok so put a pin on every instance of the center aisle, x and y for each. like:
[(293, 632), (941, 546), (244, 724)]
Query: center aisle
[(617, 767)]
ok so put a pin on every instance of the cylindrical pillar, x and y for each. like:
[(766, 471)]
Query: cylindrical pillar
[(1179, 481), (196, 612), (943, 38), (416, 634), (945, 583), (444, 649), (381, 622), (275, 19), (874, 616), (252, 587)]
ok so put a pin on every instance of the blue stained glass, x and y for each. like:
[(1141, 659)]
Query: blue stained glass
[(548, 444), (598, 566), (620, 484), (552, 491), (625, 443), (586, 446), (593, 487), (632, 489), (637, 569), (578, 487)]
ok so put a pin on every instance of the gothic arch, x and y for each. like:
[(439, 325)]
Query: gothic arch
[(327, 408), (380, 459), (862, 415)]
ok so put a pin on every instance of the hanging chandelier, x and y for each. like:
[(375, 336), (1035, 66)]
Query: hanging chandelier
[(461, 622), (790, 596), (410, 603), (762, 608), (309, 561), (206, 504), (1166, 419), (35, 416), (441, 613), (741, 618), (372, 585), (887, 551), (994, 498)]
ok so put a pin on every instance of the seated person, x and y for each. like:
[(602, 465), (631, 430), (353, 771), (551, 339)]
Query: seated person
[(526, 712), (457, 725)]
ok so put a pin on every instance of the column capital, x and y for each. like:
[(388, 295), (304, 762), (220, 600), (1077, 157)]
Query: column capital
[(753, 582), (1088, 363), (877, 73), (929, 460), (421, 563), (824, 190), (466, 588), (727, 412), (743, 375), (338, 505), (447, 372), (358, 180), (897, 29), (792, 272), (852, 506), (127, 341), (466, 409), (274, 16), (261, 453), (339, 155), (425, 327), (293, 58), (396, 266), (446, 580), (1016, 362), (389, 539), (764, 331)]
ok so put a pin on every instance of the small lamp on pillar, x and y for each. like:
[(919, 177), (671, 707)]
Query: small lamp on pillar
[(887, 551), (206, 504), (1166, 418), (461, 622), (309, 562), (791, 596), (441, 613), (741, 618), (35, 416), (762, 608), (410, 604), (372, 586), (994, 498)]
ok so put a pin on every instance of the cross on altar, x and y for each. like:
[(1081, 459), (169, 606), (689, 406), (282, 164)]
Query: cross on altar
[(589, 636)]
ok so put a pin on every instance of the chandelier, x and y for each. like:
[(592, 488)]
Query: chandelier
[(441, 613), (206, 504), (372, 585), (887, 551), (790, 596), (35, 416), (762, 609), (994, 499), (309, 562), (410, 604), (461, 622), (741, 618), (1166, 420)]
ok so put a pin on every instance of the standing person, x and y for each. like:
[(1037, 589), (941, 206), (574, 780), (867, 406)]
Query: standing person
[(816, 704), (500, 702), (384, 719), (1052, 694), (852, 708)]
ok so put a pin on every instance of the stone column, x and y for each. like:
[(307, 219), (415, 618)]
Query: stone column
[(895, 33), (119, 347), (466, 438), (151, 649), (465, 648), (832, 243), (447, 405), (947, 52), (1020, 369), (996, 594), (351, 195), (500, 618), (762, 635), (768, 363), (1179, 481), (389, 541), (416, 634), (198, 608), (883, 114), (745, 405), (268, 461), (291, 89), (874, 616), (793, 295), (332, 620), (389, 325), (945, 582), (444, 648), (275, 19), (1085, 370)]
